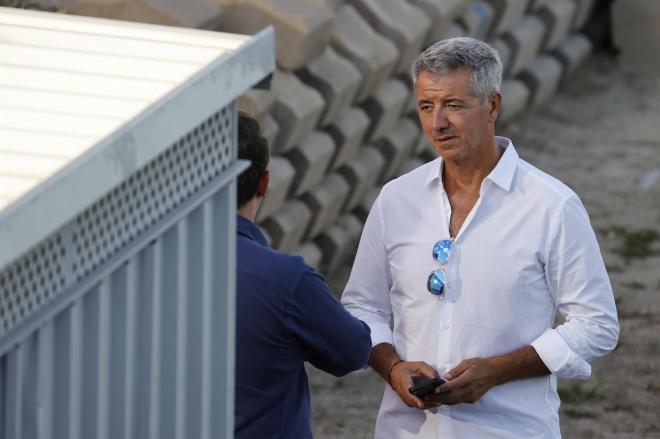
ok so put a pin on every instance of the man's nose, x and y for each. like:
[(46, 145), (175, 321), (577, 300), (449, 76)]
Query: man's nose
[(440, 121)]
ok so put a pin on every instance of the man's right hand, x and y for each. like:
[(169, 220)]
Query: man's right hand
[(399, 374), (401, 379)]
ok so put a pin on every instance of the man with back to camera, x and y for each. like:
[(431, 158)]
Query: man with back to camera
[(286, 315), (471, 255)]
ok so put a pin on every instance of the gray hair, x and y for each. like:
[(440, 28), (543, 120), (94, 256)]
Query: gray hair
[(463, 53)]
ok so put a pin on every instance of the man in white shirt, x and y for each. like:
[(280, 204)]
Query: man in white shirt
[(469, 257)]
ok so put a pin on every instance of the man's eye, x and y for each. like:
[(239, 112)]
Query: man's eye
[(453, 106)]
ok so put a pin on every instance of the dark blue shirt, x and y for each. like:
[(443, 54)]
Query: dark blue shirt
[(286, 315)]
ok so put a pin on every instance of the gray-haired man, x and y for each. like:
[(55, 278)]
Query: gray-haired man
[(470, 256)]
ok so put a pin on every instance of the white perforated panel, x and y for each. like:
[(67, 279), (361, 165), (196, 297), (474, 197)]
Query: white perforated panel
[(117, 218), (31, 281)]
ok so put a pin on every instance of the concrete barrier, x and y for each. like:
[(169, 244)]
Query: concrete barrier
[(287, 226), (372, 54), (525, 40), (478, 19), (385, 107), (515, 98), (311, 159), (302, 28), (362, 173), (297, 110), (508, 13), (397, 145), (441, 14), (401, 22), (348, 132), (281, 177), (558, 17), (336, 78), (325, 202), (542, 77), (572, 52)]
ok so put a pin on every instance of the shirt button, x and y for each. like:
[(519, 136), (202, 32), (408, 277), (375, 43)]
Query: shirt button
[(446, 327)]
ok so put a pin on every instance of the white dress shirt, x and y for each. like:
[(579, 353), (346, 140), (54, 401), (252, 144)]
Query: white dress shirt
[(526, 250)]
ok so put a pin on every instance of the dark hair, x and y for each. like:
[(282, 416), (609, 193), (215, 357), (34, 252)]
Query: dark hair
[(252, 146)]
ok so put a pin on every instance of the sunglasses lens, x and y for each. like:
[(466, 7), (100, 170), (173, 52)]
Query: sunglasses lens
[(436, 282), (442, 250)]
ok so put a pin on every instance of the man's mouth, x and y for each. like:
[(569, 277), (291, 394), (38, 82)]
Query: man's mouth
[(443, 138)]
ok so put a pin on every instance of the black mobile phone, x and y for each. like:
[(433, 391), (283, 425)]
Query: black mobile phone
[(425, 386)]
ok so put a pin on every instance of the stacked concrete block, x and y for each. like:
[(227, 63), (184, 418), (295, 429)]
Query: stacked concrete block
[(441, 14), (536, 4), (325, 202), (258, 103), (311, 253), (409, 165), (397, 145), (333, 243), (203, 14), (139, 10), (558, 18), (385, 107), (348, 132), (542, 77), (362, 173), (508, 13), (572, 52), (372, 54), (311, 159), (336, 78), (401, 22), (515, 98), (193, 13), (364, 206), (525, 41), (287, 226), (332, 4), (583, 11), (302, 28), (282, 174), (504, 51), (297, 110), (339, 242), (422, 144), (341, 115), (456, 29), (478, 19)]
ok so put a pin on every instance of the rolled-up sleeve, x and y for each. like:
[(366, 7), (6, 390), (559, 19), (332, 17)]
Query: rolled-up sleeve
[(367, 293), (581, 289)]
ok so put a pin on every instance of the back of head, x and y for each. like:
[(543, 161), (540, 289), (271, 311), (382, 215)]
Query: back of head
[(252, 146), (463, 53)]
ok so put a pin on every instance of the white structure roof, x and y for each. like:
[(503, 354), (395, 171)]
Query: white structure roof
[(84, 102)]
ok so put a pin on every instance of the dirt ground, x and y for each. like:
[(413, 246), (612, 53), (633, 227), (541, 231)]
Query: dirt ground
[(601, 136)]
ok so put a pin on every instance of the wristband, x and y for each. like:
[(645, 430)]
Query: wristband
[(389, 372)]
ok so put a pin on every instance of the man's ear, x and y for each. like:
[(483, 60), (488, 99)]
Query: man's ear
[(264, 181), (495, 106)]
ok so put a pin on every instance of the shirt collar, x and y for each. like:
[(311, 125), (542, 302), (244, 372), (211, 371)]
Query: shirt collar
[(247, 228), (501, 175)]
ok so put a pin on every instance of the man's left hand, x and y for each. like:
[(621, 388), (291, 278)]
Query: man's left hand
[(466, 383)]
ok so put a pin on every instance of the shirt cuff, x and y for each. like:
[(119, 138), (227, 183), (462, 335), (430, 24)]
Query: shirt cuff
[(380, 333), (559, 358)]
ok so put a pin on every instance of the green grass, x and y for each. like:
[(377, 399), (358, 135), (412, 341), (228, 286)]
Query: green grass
[(632, 243), (575, 413), (634, 285), (577, 394)]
